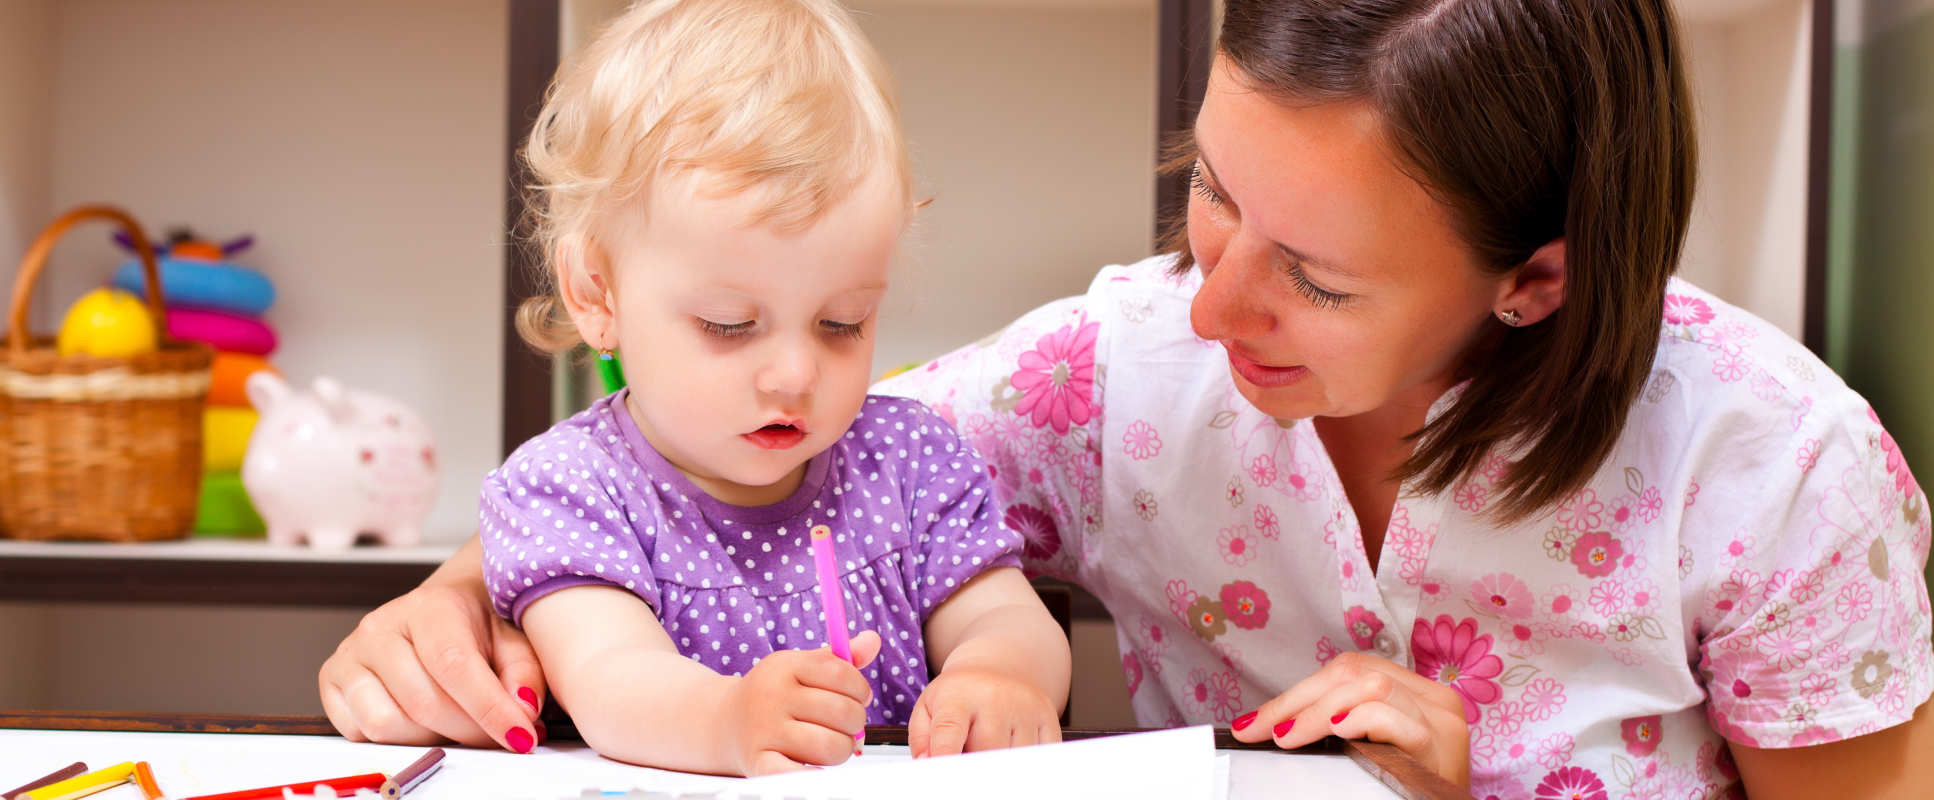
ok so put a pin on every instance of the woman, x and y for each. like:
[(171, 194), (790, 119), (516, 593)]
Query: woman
[(1413, 438)]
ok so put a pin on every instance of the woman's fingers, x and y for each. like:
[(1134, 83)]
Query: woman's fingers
[(448, 644)]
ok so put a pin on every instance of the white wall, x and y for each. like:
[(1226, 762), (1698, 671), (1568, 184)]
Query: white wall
[(1032, 130), (1751, 73), (360, 141)]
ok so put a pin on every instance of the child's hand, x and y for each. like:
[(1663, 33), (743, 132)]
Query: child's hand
[(799, 707), (972, 709)]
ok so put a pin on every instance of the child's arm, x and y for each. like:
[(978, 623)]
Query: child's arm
[(1000, 669), (635, 699)]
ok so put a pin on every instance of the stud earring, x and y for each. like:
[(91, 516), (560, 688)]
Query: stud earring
[(1510, 317)]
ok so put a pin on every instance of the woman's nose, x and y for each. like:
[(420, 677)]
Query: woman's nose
[(1231, 303)]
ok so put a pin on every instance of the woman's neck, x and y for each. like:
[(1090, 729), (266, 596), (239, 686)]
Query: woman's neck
[(1368, 448)]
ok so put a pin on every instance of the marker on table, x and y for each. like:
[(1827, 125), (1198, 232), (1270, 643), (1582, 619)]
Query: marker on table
[(373, 781), (831, 598), (56, 776), (99, 780)]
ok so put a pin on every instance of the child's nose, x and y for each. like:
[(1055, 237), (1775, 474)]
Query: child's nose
[(792, 370)]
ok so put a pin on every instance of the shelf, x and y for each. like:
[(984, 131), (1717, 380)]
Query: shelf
[(212, 572)]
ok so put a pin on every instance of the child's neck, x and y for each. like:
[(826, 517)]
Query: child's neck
[(719, 489)]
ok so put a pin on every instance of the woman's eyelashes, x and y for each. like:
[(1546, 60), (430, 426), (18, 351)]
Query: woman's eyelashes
[(1293, 268)]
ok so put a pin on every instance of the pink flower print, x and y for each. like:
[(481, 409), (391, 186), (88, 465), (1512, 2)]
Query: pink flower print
[(1145, 505), (1502, 594), (1819, 688), (1554, 750), (1237, 545), (1207, 619), (1180, 598), (1571, 783), (1131, 669), (1834, 655), (1523, 642), (1262, 470), (1196, 693), (1471, 497), (1808, 456), (1233, 493), (1596, 554), (1622, 513), (1730, 367), (1266, 525), (1325, 650), (1559, 600), (1227, 654), (1300, 485), (1154, 633), (1683, 310), (1141, 441), (1451, 652), (1582, 511), (1854, 601), (1786, 648), (1037, 530), (1225, 696), (1651, 503), (1641, 735), (1543, 699), (1363, 626), (1642, 593), (1897, 464), (1692, 493), (1807, 586), (1494, 467), (1057, 378), (1505, 718), (1741, 588), (1246, 604), (1558, 543), (1608, 597)]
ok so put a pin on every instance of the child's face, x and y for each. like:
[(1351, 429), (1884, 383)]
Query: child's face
[(748, 349)]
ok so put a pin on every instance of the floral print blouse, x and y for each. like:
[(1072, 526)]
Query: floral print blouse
[(1746, 566)]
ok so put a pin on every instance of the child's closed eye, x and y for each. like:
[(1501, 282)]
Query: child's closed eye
[(851, 330), (726, 330)]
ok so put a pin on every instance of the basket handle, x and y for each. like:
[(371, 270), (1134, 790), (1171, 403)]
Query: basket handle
[(43, 246)]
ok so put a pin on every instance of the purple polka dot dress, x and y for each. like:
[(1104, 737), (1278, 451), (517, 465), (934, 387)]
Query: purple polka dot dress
[(910, 505)]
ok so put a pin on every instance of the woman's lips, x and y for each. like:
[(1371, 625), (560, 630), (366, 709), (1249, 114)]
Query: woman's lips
[(1263, 375)]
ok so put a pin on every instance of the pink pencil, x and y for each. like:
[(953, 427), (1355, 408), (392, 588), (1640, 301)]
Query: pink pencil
[(832, 598)]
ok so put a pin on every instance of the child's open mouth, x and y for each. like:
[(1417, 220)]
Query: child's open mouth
[(777, 436)]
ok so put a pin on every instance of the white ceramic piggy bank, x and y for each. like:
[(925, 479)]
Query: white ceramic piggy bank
[(330, 465)]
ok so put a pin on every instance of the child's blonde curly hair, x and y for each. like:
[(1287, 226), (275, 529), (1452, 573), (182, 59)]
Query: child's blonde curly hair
[(783, 96)]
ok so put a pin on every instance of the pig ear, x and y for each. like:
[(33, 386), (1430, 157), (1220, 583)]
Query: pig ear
[(266, 390), (335, 401)]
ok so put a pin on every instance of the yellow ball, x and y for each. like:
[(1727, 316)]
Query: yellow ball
[(109, 323)]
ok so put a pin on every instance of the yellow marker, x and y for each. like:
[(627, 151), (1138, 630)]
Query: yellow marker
[(83, 785)]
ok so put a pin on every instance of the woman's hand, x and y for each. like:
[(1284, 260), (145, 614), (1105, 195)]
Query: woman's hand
[(967, 710), (436, 664), (1358, 696), (798, 707)]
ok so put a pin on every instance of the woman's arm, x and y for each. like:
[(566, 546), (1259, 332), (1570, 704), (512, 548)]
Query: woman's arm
[(1890, 763), (635, 698), (1001, 667), (436, 664)]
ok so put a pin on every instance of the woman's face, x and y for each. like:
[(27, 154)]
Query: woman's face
[(1335, 281)]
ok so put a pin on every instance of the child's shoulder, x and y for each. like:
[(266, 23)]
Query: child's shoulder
[(892, 423), (589, 439)]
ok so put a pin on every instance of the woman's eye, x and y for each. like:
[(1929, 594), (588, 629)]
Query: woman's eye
[(725, 330), (851, 330), (1201, 187)]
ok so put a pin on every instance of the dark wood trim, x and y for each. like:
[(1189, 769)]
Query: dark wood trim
[(207, 581), (1819, 179), (1182, 74), (533, 54), (1389, 765)]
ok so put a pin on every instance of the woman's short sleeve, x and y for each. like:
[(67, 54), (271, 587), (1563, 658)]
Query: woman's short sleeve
[(1815, 614)]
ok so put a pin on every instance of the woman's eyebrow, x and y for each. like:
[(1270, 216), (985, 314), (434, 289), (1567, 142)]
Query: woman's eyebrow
[(1298, 255)]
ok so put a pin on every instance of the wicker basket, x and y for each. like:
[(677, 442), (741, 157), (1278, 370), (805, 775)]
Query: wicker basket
[(98, 448)]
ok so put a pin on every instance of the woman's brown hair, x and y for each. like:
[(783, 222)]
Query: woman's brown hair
[(1530, 120)]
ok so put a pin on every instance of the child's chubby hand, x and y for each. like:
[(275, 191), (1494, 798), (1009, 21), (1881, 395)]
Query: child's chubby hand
[(798, 708), (972, 708)]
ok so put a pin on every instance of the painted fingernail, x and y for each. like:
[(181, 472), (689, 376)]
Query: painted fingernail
[(543, 731), (1284, 726), (525, 694), (1338, 718), (1243, 721), (519, 740)]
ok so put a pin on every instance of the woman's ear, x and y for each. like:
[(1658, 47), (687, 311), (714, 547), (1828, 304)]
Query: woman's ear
[(1535, 290), (584, 284)]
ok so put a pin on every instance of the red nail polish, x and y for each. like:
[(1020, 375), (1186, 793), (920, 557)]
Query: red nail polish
[(525, 694), (519, 740), (1284, 726), (1338, 718), (1243, 721), (543, 731)]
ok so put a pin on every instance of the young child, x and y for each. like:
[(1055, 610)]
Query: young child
[(721, 186)]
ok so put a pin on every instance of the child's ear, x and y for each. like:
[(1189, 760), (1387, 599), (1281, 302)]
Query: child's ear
[(583, 284)]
